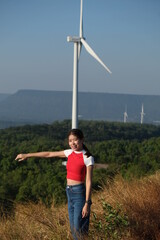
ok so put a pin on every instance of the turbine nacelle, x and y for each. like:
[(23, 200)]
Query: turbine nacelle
[(73, 39)]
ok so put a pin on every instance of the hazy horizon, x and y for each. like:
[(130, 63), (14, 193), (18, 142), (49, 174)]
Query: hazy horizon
[(48, 90)]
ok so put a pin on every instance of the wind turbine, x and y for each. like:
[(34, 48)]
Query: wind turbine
[(78, 42), (142, 114), (125, 115)]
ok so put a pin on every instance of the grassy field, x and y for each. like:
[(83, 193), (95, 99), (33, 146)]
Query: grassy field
[(120, 210)]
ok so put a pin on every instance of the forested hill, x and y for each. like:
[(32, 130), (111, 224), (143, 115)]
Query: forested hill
[(95, 131), (31, 106), (127, 149)]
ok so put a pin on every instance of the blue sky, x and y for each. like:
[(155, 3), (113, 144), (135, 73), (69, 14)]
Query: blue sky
[(35, 54)]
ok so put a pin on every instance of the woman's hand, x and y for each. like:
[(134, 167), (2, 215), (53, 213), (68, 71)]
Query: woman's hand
[(85, 210), (21, 157)]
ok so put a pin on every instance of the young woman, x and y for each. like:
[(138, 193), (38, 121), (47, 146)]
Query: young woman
[(79, 171)]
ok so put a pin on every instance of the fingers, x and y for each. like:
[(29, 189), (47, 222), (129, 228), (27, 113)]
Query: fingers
[(20, 157), (85, 212)]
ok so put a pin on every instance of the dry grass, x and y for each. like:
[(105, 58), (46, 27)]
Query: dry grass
[(139, 199), (35, 221)]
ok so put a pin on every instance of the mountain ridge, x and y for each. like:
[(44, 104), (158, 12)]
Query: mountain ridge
[(40, 106)]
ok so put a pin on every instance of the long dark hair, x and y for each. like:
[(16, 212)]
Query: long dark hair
[(79, 134)]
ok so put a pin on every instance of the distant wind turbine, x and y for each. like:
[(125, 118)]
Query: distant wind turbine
[(142, 114), (78, 42), (125, 115)]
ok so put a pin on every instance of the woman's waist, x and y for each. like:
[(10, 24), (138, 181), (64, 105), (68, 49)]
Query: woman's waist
[(76, 188), (71, 182)]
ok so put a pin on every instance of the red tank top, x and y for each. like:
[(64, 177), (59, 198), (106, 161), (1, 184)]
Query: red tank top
[(77, 163), (76, 168)]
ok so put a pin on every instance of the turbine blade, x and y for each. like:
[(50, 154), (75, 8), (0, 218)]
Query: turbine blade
[(93, 54), (81, 20), (79, 49)]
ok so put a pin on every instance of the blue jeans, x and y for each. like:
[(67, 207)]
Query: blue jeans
[(76, 195)]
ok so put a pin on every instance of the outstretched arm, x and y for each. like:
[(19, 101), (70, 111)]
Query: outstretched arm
[(23, 156)]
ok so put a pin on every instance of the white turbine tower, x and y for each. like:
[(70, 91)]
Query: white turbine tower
[(78, 42), (142, 114), (125, 115)]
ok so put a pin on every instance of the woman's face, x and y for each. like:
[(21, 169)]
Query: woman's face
[(75, 143)]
